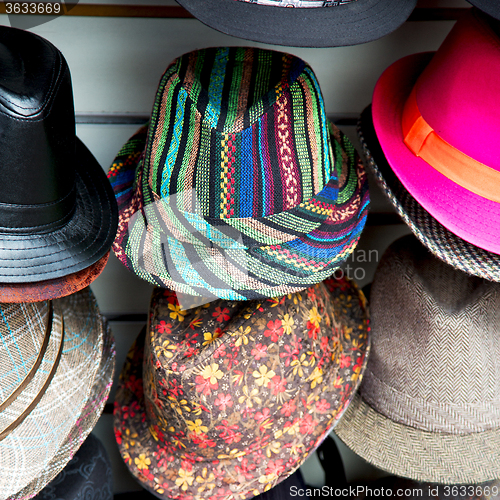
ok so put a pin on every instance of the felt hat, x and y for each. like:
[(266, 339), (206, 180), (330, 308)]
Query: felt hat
[(303, 23), (229, 399), (57, 363), (423, 109), (428, 408), (238, 188), (58, 214), (87, 476), (438, 239)]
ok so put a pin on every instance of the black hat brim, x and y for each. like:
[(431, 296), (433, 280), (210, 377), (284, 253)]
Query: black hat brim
[(352, 23), (86, 236)]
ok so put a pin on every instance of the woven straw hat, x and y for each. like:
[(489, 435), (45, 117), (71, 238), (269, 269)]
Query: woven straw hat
[(429, 405), (238, 188), (56, 365), (309, 23), (229, 399), (440, 241)]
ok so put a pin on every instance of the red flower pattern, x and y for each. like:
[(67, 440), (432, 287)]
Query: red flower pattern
[(237, 414)]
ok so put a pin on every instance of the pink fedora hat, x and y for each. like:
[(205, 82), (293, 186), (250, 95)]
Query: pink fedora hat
[(437, 118)]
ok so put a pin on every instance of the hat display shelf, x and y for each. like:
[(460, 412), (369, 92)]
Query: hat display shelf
[(117, 52)]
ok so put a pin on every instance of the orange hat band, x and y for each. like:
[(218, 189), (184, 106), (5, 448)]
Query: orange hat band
[(460, 168)]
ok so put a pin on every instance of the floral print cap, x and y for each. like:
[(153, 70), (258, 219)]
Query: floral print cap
[(226, 400)]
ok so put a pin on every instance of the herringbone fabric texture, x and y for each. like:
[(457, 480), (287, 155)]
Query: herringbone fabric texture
[(433, 379), (39, 447), (238, 189), (440, 241)]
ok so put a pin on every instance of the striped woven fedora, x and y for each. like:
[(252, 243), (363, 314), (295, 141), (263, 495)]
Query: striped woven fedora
[(303, 23), (228, 399), (428, 408), (440, 241), (56, 368), (238, 188)]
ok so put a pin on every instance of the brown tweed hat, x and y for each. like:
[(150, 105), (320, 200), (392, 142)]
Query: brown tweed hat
[(429, 405), (56, 363), (227, 400)]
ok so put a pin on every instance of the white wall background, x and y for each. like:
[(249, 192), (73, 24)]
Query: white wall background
[(116, 64)]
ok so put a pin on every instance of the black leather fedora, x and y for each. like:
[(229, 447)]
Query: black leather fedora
[(58, 214)]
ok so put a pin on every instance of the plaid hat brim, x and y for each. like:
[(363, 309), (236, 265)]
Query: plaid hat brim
[(89, 416), (159, 464), (439, 240), (329, 26), (27, 451), (226, 267)]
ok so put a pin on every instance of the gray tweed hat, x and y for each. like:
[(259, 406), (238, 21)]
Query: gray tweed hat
[(429, 405)]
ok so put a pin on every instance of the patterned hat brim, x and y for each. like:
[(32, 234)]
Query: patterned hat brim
[(52, 289), (83, 239), (439, 240), (245, 273), (330, 26), (132, 423), (417, 454), (27, 451), (89, 416)]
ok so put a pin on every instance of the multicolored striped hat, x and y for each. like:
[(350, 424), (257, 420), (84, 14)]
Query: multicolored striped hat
[(238, 188)]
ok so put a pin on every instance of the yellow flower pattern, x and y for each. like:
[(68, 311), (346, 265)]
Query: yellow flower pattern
[(229, 418)]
